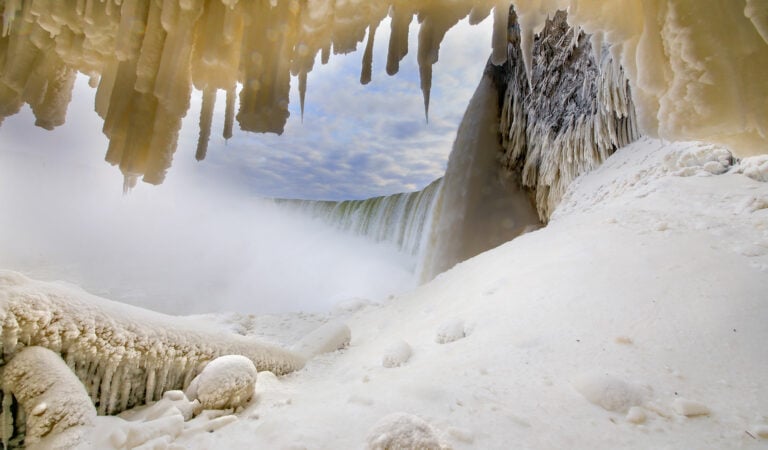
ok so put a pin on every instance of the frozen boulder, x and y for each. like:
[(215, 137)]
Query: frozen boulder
[(403, 431), (226, 382)]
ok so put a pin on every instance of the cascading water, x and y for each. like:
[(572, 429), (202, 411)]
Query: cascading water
[(398, 219), (479, 206)]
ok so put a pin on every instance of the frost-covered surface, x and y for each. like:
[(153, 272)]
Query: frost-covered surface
[(647, 287), (57, 411), (226, 382), (124, 355)]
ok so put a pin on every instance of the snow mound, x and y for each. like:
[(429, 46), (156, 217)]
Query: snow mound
[(396, 354), (689, 408), (58, 410), (755, 167), (450, 331), (699, 159), (226, 382), (608, 392), (327, 338), (403, 431)]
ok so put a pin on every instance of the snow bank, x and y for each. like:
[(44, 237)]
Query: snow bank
[(54, 402), (125, 356)]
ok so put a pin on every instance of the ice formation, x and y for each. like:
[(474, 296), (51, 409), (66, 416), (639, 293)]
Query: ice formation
[(124, 356), (146, 56), (565, 110), (55, 408), (226, 382)]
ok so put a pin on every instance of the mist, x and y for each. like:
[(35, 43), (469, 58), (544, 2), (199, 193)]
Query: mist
[(196, 244)]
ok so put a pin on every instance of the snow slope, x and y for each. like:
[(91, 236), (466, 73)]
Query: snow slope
[(635, 319)]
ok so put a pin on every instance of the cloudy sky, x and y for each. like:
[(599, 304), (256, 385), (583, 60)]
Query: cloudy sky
[(355, 141)]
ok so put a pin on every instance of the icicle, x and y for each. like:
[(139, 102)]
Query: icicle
[(500, 25), (229, 112), (526, 46), (302, 91), (398, 37), (206, 118), (365, 75)]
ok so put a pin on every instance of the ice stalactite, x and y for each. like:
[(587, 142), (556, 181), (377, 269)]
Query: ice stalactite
[(147, 56), (575, 112), (124, 356)]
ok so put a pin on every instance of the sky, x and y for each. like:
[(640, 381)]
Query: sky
[(355, 141), (204, 241)]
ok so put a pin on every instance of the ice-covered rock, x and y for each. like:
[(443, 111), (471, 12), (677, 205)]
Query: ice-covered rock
[(403, 431), (59, 411), (226, 382), (755, 167)]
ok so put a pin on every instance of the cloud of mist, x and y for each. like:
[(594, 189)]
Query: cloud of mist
[(195, 244)]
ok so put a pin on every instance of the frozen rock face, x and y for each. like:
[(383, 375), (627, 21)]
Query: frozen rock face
[(566, 107)]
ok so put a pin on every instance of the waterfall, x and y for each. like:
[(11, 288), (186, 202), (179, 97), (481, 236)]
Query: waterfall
[(476, 206), (480, 205), (398, 219)]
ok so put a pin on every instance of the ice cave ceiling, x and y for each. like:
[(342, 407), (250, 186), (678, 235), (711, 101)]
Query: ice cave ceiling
[(696, 67)]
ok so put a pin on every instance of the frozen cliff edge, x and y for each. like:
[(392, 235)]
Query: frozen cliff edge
[(124, 356)]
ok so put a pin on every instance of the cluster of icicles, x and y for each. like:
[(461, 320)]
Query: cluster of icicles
[(565, 113), (124, 356), (145, 56)]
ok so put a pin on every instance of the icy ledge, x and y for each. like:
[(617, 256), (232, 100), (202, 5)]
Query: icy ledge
[(124, 356)]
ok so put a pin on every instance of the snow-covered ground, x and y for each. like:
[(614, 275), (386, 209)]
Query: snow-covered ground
[(635, 319)]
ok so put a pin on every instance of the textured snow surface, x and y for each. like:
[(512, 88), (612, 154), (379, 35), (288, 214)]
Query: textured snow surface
[(647, 287)]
